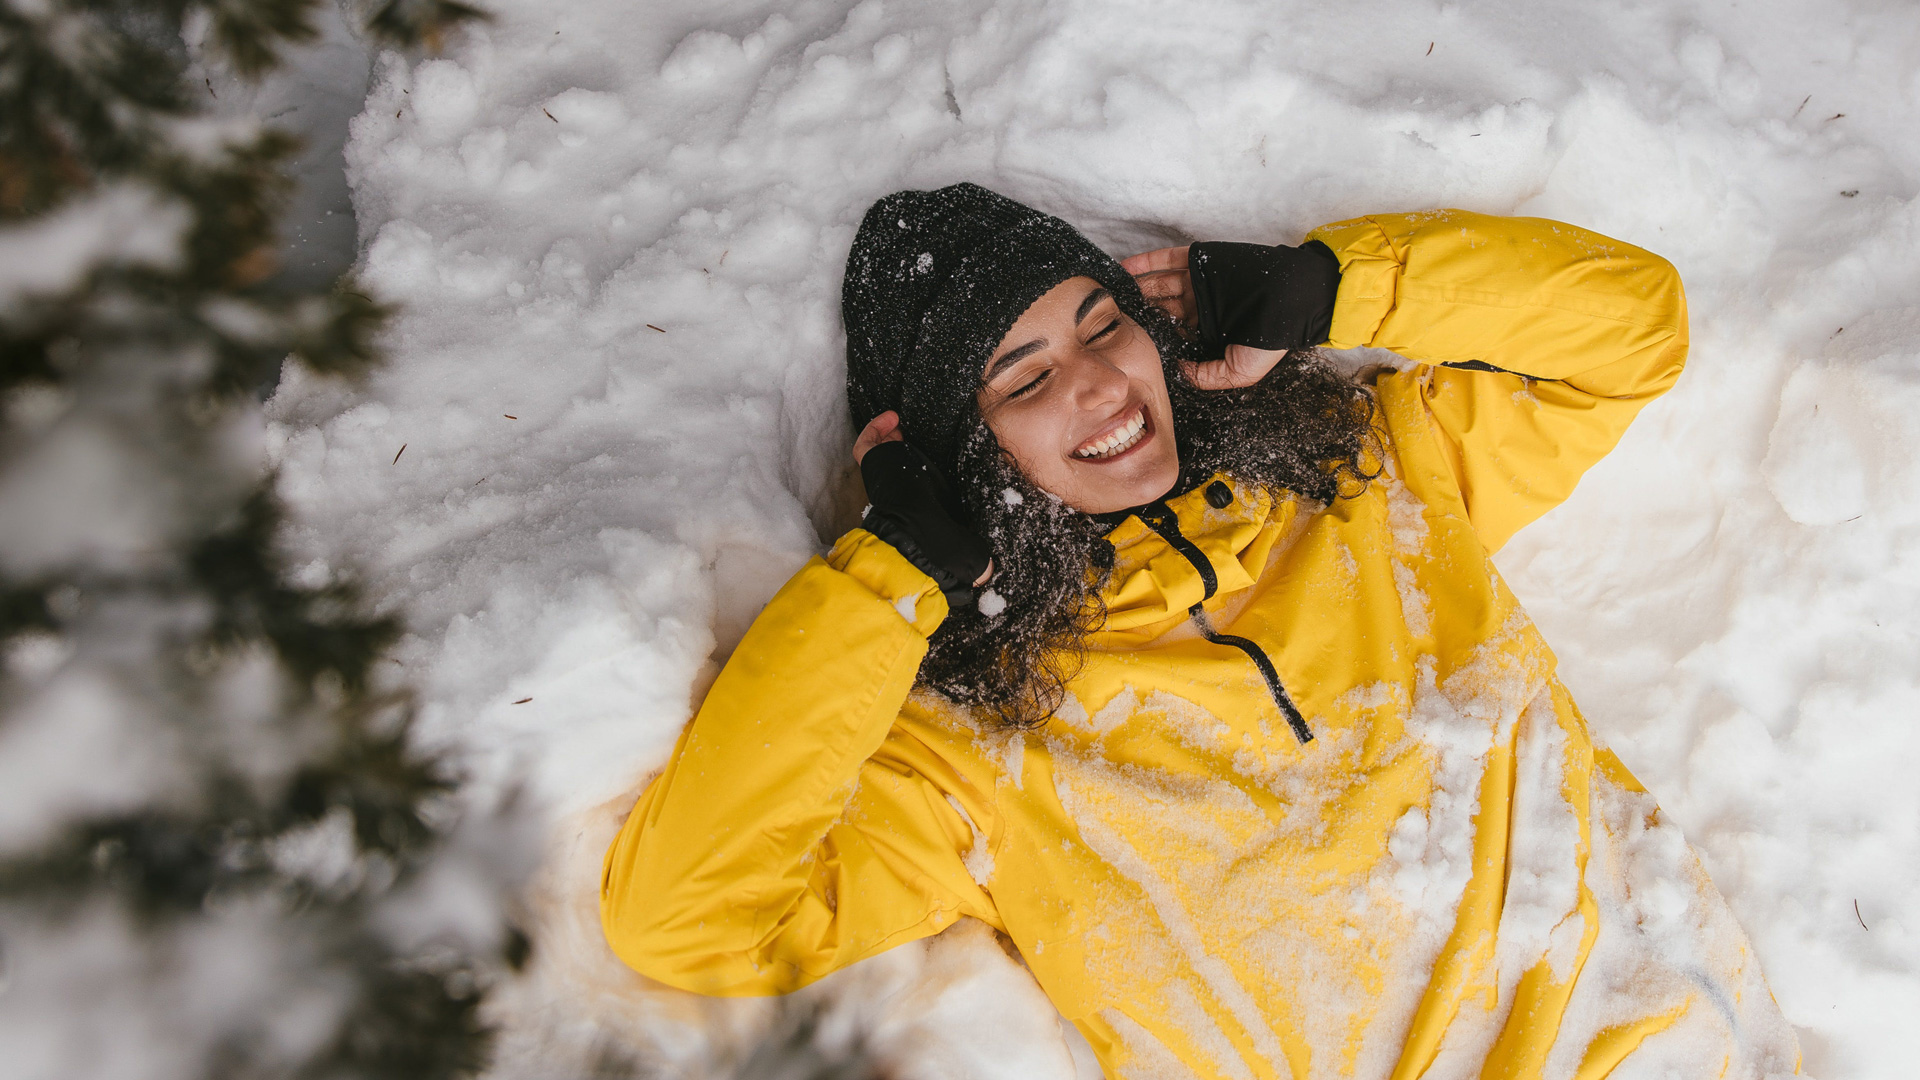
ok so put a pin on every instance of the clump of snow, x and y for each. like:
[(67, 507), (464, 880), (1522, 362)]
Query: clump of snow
[(908, 607), (617, 234), (123, 224)]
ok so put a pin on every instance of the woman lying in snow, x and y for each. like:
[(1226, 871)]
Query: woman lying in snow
[(1244, 745)]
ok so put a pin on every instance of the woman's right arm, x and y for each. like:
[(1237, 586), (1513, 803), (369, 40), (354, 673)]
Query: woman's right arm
[(742, 869)]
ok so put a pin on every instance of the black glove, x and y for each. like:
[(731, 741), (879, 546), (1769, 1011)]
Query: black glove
[(914, 511), (1266, 297)]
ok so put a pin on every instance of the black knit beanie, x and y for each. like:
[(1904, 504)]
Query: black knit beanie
[(934, 282)]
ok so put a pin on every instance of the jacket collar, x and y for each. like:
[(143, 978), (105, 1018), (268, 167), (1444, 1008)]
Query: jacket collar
[(1153, 585)]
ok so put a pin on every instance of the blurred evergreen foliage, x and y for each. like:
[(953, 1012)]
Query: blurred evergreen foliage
[(202, 752)]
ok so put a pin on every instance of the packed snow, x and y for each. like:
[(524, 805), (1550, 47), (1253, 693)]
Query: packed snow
[(614, 422)]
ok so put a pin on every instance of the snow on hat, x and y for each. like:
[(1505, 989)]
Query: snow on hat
[(934, 282)]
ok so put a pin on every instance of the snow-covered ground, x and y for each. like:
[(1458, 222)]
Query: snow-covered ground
[(617, 231)]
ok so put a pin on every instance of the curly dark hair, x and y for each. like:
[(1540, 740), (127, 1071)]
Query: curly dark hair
[(1302, 431)]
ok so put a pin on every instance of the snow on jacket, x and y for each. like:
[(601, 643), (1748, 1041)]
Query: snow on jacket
[(1450, 878)]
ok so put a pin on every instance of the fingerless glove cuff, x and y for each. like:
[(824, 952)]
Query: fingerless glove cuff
[(888, 528), (1265, 297)]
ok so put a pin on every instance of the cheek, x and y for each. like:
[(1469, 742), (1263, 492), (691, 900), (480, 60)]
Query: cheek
[(1143, 365), (1024, 434), (1141, 362), (1031, 438)]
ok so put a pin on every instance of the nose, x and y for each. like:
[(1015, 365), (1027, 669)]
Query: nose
[(1097, 382)]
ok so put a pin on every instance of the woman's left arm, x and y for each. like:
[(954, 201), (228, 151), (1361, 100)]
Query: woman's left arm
[(1545, 339)]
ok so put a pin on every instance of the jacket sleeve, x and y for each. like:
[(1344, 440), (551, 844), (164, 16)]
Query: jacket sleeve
[(776, 847), (1541, 340)]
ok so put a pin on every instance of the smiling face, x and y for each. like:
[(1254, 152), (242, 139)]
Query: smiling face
[(1076, 394)]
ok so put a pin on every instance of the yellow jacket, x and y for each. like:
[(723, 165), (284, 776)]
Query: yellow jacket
[(1449, 879)]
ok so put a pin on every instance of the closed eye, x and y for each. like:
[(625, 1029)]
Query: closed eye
[(1106, 330), (1032, 384)]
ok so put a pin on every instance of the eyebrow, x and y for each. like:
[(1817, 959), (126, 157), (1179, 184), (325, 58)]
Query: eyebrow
[(1086, 305), (1014, 356)]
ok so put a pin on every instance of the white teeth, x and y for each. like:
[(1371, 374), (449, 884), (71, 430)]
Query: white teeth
[(1120, 440)]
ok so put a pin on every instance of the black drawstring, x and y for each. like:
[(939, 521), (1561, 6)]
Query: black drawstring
[(1159, 517)]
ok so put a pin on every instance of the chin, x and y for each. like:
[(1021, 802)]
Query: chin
[(1117, 493)]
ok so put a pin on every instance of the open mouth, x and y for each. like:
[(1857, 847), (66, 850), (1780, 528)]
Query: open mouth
[(1118, 441)]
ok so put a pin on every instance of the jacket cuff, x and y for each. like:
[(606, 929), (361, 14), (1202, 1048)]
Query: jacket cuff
[(875, 564), (1369, 279)]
